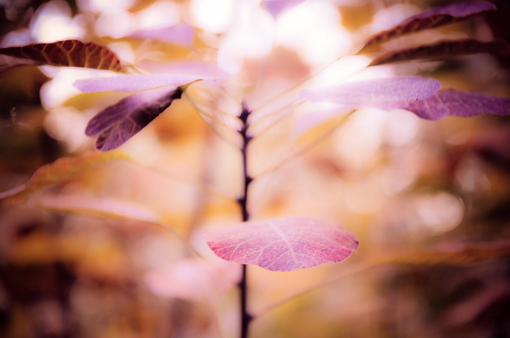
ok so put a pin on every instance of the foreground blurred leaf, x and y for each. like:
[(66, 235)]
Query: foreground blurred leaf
[(430, 19), (443, 49), (59, 171), (355, 94), (452, 255), (453, 103), (283, 244), (67, 53), (100, 207), (118, 123), (135, 82)]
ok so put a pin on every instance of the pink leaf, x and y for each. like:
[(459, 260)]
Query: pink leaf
[(134, 82), (283, 244), (453, 103), (355, 94), (180, 34)]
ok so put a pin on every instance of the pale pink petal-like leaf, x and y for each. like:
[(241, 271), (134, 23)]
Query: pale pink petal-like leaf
[(181, 34), (134, 82), (283, 244), (430, 19), (453, 103), (118, 123), (201, 69), (355, 94)]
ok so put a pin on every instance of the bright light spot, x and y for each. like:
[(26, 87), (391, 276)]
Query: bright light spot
[(358, 142), (339, 71), (162, 13), (67, 125), (17, 38), (102, 6), (250, 37), (123, 50), (440, 212), (470, 175), (53, 22), (212, 15), (314, 30), (401, 127), (389, 17), (55, 92), (114, 24)]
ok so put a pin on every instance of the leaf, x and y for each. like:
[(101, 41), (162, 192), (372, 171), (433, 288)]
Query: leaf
[(283, 244), (67, 53), (100, 207), (430, 19), (443, 49), (450, 255), (118, 123), (452, 103), (59, 171), (134, 82), (180, 34), (400, 88)]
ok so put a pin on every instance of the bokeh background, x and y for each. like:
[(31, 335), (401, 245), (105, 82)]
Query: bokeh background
[(399, 183)]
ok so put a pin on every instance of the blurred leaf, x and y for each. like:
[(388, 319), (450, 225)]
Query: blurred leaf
[(134, 82), (452, 103), (59, 171), (443, 49), (67, 53), (283, 244), (355, 94), (452, 255), (430, 19), (118, 123), (181, 34), (99, 207)]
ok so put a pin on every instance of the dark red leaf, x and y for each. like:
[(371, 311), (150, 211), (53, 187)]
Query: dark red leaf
[(118, 123), (452, 103), (430, 19), (283, 244), (443, 49), (68, 53)]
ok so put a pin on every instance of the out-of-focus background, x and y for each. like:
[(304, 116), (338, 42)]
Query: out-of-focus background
[(401, 184)]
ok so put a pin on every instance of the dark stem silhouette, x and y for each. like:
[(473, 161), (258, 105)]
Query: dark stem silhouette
[(243, 203)]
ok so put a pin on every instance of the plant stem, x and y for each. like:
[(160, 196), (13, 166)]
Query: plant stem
[(243, 203)]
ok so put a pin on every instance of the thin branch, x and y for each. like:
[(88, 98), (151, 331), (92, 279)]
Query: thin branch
[(358, 268)]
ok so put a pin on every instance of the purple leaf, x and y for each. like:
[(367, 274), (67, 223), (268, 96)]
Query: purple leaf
[(134, 82), (355, 94), (430, 19), (118, 123), (453, 103), (283, 244), (180, 34), (443, 49)]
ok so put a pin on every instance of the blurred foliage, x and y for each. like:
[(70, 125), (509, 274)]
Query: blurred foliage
[(445, 184)]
